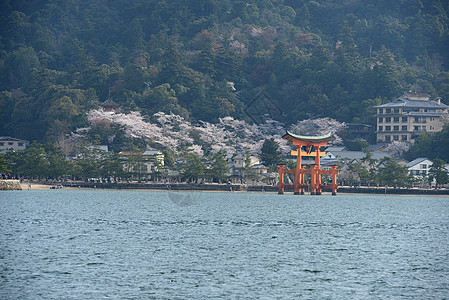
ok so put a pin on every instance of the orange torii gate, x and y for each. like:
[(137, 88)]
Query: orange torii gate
[(307, 146)]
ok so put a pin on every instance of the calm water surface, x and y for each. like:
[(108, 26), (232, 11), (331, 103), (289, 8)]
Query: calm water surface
[(70, 244)]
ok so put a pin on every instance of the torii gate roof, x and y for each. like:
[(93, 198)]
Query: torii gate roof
[(310, 139)]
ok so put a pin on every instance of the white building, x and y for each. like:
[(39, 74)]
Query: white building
[(419, 167), (8, 143), (405, 118), (237, 164)]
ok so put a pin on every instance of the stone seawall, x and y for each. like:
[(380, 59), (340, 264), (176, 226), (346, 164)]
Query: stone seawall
[(10, 185), (393, 191)]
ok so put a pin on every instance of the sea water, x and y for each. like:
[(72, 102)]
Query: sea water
[(97, 244)]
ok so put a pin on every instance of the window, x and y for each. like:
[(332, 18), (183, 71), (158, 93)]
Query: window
[(387, 138), (20, 144), (420, 120), (396, 128), (387, 128), (380, 111), (396, 119), (2, 143), (396, 110), (415, 172), (416, 128), (388, 120), (404, 138), (381, 120), (10, 143), (388, 110), (396, 137), (404, 119), (423, 128), (404, 127), (423, 166), (381, 128)]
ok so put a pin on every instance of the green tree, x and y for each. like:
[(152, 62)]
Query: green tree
[(16, 69), (421, 148), (89, 163), (391, 173), (247, 167), (3, 164), (162, 98), (270, 153), (438, 172), (219, 166), (172, 64), (113, 166), (440, 144), (169, 158), (192, 167), (136, 164), (29, 163), (58, 165)]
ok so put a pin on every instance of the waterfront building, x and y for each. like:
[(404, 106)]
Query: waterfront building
[(404, 119), (8, 143), (237, 164), (419, 166), (238, 168), (143, 164)]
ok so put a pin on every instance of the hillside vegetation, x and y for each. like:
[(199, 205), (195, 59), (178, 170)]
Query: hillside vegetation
[(208, 59)]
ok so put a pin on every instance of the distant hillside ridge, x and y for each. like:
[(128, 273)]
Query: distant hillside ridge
[(204, 60)]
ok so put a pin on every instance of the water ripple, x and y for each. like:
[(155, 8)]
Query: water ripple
[(142, 245)]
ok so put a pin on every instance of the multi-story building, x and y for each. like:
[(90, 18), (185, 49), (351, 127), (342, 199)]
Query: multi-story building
[(405, 118)]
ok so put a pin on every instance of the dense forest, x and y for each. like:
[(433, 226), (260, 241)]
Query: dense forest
[(207, 59)]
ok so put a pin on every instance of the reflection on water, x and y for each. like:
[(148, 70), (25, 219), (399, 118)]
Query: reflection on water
[(183, 198), (64, 244)]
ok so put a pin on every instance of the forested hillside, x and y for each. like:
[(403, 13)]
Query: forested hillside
[(207, 59)]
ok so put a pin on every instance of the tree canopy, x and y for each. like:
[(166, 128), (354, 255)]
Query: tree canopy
[(205, 60)]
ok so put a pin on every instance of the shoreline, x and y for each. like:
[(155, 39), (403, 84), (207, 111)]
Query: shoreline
[(225, 188)]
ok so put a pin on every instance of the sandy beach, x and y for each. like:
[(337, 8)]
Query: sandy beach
[(39, 186)]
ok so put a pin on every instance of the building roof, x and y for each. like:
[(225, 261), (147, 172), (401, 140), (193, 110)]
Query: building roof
[(147, 152), (8, 138), (109, 103), (416, 161), (152, 152), (259, 166), (376, 147), (335, 148), (312, 139), (358, 154), (104, 148), (404, 102)]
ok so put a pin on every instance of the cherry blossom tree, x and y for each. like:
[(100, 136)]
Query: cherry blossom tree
[(319, 126), (173, 132), (396, 148)]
